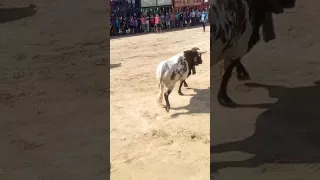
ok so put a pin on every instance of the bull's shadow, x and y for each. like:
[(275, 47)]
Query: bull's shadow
[(16, 13), (199, 103), (287, 132)]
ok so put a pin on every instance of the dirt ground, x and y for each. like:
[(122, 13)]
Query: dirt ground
[(146, 142), (54, 75), (275, 133), (53, 90)]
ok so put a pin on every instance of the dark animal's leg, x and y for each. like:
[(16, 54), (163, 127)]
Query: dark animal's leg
[(185, 83), (242, 73), (166, 95), (223, 97), (179, 91)]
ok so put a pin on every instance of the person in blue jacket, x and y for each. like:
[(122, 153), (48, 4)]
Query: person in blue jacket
[(204, 19)]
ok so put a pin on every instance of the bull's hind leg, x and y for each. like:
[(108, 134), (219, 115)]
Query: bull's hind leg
[(242, 73), (223, 97), (166, 98)]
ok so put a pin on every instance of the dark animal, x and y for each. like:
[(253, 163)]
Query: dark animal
[(235, 26)]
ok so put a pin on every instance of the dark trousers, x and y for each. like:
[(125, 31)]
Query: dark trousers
[(193, 20), (204, 26)]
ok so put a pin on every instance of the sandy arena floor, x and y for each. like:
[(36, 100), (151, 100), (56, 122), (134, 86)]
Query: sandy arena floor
[(53, 91), (146, 142)]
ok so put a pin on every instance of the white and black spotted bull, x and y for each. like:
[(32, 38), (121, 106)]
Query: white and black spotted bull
[(177, 68), (235, 26)]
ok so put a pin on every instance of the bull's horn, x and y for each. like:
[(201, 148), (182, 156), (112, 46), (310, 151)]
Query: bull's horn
[(202, 52)]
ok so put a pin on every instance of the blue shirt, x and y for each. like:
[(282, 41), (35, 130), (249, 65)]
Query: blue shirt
[(203, 17), (117, 24)]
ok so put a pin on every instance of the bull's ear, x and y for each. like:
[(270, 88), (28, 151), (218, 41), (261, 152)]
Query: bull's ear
[(195, 49), (275, 6)]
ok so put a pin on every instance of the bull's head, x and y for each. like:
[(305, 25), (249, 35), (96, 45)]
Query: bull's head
[(198, 59)]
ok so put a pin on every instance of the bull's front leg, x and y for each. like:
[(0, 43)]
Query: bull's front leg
[(242, 73), (223, 97), (193, 70), (181, 82), (166, 98)]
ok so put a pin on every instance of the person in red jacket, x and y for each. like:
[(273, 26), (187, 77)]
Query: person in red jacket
[(152, 22)]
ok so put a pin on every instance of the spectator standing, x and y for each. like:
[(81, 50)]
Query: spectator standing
[(163, 21), (117, 25), (132, 25), (193, 17), (181, 19), (187, 18), (148, 23), (172, 20), (143, 23), (167, 18), (121, 25), (158, 23), (152, 22), (177, 16), (196, 11), (204, 18), (137, 24), (198, 17)]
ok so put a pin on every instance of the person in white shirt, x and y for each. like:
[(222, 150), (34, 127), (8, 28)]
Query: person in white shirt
[(198, 17), (193, 17)]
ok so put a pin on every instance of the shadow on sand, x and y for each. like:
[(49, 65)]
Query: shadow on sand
[(12, 14), (199, 103), (287, 132), (115, 65)]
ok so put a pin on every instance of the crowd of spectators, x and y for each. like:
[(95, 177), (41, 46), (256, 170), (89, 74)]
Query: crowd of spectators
[(150, 21)]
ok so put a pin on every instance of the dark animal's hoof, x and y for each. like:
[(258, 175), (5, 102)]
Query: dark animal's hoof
[(243, 77), (180, 93), (226, 101), (167, 108)]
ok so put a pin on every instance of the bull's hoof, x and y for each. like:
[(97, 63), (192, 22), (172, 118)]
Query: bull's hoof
[(180, 93), (243, 77), (226, 101), (168, 108)]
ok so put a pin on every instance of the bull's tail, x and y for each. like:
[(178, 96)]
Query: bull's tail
[(160, 93), (161, 86)]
